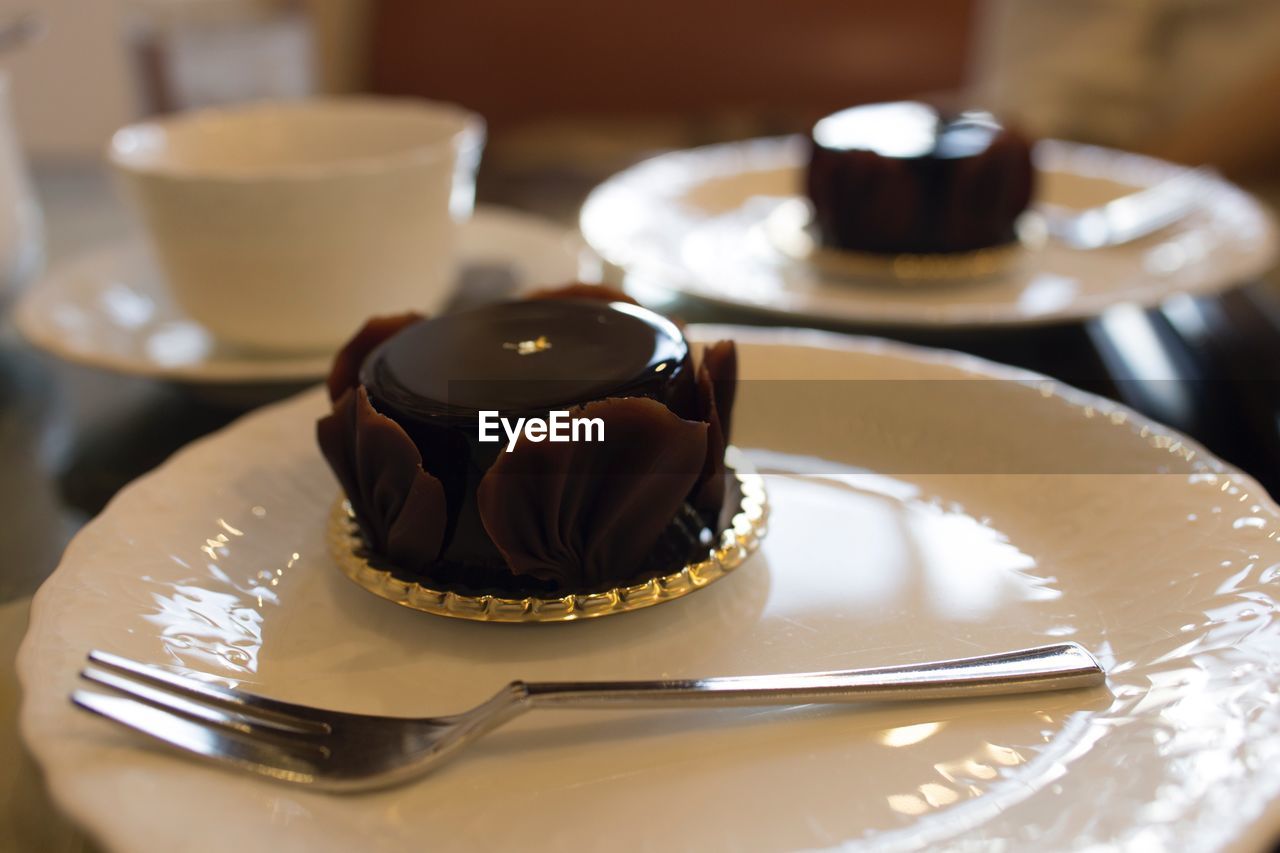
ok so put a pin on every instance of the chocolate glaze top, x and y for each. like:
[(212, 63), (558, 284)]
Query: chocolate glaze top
[(524, 357), (907, 129)]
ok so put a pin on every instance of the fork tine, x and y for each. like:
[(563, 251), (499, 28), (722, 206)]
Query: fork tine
[(197, 709), (283, 715), (210, 743)]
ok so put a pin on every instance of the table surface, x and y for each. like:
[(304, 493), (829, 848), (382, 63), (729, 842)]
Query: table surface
[(70, 436)]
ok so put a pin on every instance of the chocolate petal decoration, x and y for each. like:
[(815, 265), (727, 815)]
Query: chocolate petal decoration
[(717, 381), (345, 372), (585, 515), (400, 507), (415, 537), (335, 433), (580, 290), (386, 464), (721, 361), (708, 491)]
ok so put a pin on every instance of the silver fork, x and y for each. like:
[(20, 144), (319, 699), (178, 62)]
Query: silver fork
[(337, 751), (1129, 217)]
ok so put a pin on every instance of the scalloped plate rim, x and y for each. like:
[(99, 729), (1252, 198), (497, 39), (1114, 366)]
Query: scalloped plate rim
[(1256, 835)]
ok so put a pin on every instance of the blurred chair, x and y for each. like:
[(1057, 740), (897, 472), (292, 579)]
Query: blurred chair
[(516, 61), (575, 87)]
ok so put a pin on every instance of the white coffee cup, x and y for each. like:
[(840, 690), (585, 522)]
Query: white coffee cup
[(281, 226)]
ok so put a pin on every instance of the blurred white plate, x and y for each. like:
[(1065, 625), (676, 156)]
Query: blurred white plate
[(109, 310), (697, 222), (928, 512)]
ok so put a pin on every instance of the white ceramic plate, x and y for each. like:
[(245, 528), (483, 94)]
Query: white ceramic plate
[(696, 221), (1077, 520), (109, 310)]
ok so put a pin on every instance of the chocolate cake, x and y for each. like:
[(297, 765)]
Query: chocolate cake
[(909, 178), (440, 506)]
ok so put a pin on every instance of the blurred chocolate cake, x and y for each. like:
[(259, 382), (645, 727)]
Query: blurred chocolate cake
[(909, 178), (527, 515)]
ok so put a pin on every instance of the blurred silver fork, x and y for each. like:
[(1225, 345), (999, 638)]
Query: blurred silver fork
[(1129, 217), (337, 751)]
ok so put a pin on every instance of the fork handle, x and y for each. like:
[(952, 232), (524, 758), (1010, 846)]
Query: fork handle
[(1062, 666)]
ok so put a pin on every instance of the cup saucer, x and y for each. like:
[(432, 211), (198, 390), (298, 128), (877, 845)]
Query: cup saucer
[(109, 309)]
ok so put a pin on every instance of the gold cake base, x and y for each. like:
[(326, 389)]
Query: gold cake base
[(737, 541)]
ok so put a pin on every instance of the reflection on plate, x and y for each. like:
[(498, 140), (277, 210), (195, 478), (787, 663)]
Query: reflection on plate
[(109, 309), (696, 221), (934, 506)]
